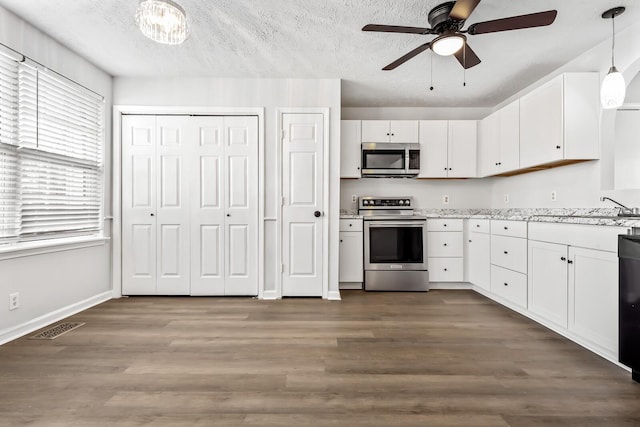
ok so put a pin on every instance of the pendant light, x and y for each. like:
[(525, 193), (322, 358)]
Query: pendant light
[(163, 21), (613, 86)]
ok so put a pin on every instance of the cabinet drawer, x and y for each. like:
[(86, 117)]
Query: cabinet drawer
[(442, 244), (350, 225), (509, 252), (445, 269), (509, 228), (479, 226), (510, 285), (441, 224)]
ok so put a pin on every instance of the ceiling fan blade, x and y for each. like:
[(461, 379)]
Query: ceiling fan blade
[(396, 29), (467, 57), (407, 57), (539, 19), (462, 9)]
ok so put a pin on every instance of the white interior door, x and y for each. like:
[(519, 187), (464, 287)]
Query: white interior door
[(138, 205), (207, 207), (303, 210), (173, 156), (241, 205)]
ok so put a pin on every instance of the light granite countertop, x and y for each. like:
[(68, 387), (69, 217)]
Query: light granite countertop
[(587, 216)]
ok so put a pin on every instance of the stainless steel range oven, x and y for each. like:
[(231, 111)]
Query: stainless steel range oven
[(395, 245)]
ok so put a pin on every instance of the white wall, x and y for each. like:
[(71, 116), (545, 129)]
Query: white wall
[(270, 94), (51, 283)]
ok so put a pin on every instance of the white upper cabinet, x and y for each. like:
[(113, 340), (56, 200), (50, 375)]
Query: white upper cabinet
[(390, 131), (448, 148), (499, 141), (433, 148), (559, 121), (463, 137), (350, 151)]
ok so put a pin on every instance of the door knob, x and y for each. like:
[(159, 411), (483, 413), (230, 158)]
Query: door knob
[(317, 214)]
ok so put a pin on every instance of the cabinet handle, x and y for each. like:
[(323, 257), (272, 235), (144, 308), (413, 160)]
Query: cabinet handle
[(506, 228), (496, 163), (557, 147), (562, 258), (387, 133), (393, 134), (445, 244), (358, 168), (340, 240), (506, 284), (470, 240), (152, 214), (506, 253), (444, 225), (477, 225), (228, 214), (449, 168), (445, 168), (570, 262), (445, 269), (350, 225)]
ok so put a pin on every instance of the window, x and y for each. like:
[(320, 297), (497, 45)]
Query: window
[(51, 134)]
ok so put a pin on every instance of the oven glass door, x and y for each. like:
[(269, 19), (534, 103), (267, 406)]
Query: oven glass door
[(387, 159), (395, 245)]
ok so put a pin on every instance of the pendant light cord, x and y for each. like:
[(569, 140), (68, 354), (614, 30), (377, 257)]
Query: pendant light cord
[(613, 40)]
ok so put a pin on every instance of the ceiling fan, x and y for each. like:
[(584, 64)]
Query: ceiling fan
[(446, 22)]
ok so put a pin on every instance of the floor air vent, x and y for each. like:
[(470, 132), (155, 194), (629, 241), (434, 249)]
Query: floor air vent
[(55, 331)]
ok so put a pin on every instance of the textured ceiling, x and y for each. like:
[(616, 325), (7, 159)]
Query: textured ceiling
[(322, 39)]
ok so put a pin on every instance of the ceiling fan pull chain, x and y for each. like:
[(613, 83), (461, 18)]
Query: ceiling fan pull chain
[(431, 69), (464, 67)]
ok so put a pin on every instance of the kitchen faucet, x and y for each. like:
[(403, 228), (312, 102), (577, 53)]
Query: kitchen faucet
[(624, 210)]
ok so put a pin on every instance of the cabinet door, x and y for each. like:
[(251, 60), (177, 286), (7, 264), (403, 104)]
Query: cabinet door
[(350, 148), (404, 131), (548, 281), (433, 149), (351, 257), (541, 125), (509, 135), (593, 297), (376, 131), (479, 260), (489, 145), (462, 148)]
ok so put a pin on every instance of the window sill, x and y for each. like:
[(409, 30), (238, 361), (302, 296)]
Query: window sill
[(47, 246)]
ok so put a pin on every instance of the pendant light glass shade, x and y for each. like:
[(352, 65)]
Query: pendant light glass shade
[(613, 89), (163, 21), (447, 44)]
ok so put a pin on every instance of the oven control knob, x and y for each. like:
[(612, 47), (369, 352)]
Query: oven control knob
[(407, 202), (401, 202), (366, 202)]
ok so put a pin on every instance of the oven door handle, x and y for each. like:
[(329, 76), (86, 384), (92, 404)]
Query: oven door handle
[(403, 223)]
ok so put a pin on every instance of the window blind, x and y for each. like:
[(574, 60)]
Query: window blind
[(51, 137), (9, 170)]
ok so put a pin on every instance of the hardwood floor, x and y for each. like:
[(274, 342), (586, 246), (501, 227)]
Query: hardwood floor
[(450, 358)]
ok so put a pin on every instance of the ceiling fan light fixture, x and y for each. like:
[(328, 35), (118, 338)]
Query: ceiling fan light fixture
[(163, 21), (613, 87), (447, 44)]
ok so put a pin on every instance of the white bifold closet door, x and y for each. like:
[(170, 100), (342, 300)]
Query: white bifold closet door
[(224, 214), (189, 205)]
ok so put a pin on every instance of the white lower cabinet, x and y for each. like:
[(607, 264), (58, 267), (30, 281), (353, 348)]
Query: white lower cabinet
[(479, 254), (509, 285), (351, 269), (548, 288), (593, 296), (445, 250)]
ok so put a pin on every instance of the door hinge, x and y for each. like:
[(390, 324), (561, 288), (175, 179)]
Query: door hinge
[(282, 201), (281, 268), (282, 134)]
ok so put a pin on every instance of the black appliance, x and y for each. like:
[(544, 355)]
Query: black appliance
[(629, 286)]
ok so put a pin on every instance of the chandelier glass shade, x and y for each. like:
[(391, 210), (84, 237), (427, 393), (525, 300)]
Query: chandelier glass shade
[(163, 21), (613, 87)]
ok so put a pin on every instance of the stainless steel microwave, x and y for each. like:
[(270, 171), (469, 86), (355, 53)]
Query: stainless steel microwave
[(390, 160)]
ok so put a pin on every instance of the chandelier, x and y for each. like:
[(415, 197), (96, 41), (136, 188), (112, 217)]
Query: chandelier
[(163, 21)]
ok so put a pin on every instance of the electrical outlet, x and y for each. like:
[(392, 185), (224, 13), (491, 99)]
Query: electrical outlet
[(354, 198), (554, 196), (506, 199), (445, 199), (14, 301)]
